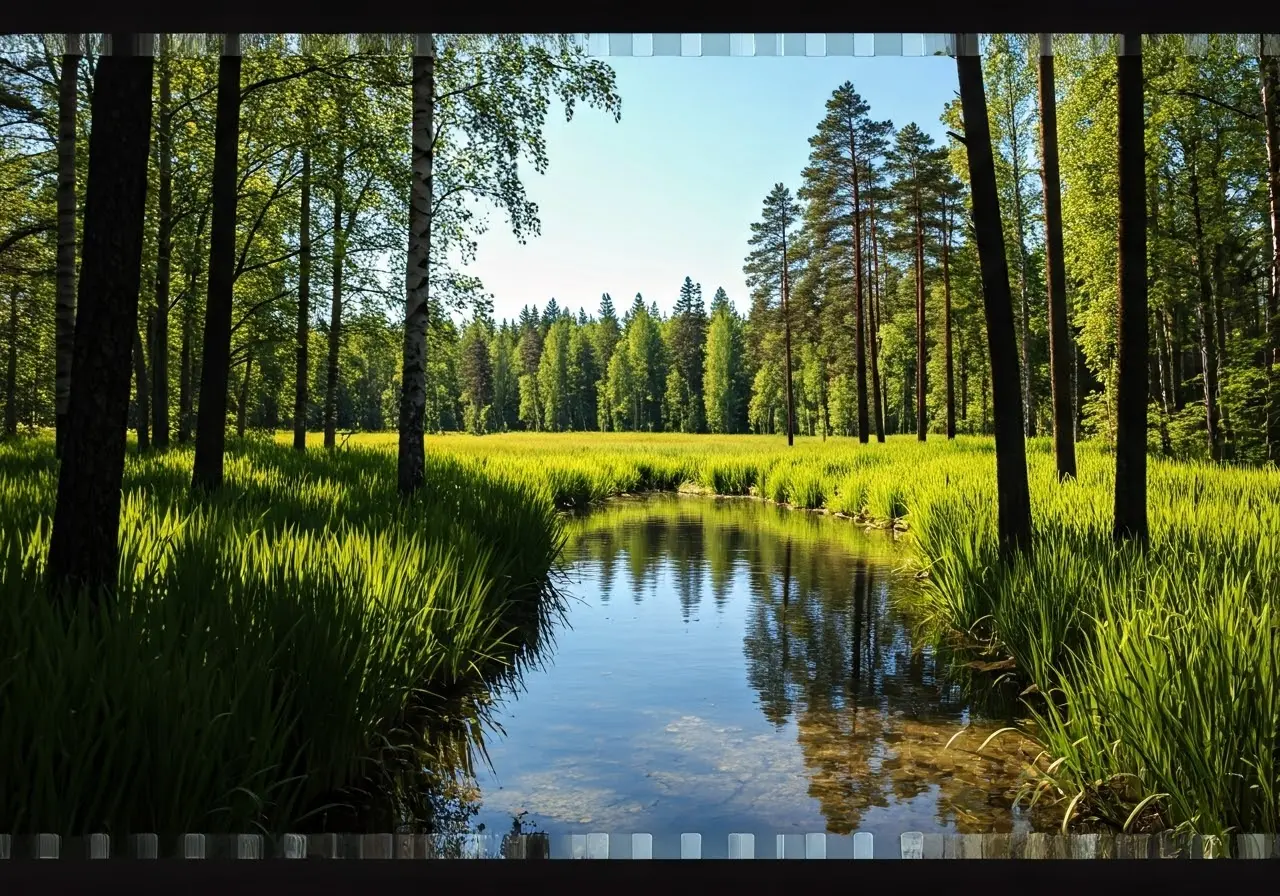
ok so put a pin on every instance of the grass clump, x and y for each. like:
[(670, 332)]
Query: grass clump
[(288, 654)]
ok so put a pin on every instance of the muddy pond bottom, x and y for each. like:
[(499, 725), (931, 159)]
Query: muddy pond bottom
[(734, 667)]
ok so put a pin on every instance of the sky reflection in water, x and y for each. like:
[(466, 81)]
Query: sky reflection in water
[(708, 682)]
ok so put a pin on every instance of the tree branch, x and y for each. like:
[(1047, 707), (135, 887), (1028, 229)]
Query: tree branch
[(280, 79), (256, 307), (276, 193), (1191, 94), (257, 266), (23, 233)]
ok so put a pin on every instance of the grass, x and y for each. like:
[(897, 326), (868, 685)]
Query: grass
[(1152, 682), (287, 655)]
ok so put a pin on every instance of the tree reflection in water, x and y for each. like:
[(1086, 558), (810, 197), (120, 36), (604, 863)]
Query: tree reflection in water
[(826, 650)]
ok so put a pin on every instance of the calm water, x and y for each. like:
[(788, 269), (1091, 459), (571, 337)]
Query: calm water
[(729, 666)]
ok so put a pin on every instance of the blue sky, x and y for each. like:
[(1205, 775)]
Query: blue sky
[(671, 189)]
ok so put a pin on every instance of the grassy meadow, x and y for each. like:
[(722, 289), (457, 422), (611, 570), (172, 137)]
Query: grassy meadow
[(302, 636)]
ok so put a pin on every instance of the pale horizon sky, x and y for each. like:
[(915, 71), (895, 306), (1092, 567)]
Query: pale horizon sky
[(671, 190)]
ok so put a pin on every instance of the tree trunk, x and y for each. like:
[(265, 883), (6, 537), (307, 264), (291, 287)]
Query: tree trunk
[(11, 369), (142, 391), (1220, 317), (335, 308), (1204, 312), (1028, 392), (84, 546), (215, 363), (65, 327), (1160, 393), (411, 462), (1131, 387), (860, 324), (185, 403), (164, 263), (1064, 446), (242, 406), (1013, 492), (1170, 375), (786, 330), (1157, 373), (922, 421), (873, 300), (1270, 85), (946, 295), (826, 412), (301, 376)]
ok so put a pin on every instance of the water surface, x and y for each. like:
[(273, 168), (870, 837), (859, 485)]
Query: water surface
[(731, 666)]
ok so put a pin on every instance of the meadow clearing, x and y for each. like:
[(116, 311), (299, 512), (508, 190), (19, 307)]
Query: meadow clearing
[(281, 617)]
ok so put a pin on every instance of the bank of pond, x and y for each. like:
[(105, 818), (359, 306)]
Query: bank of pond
[(303, 652)]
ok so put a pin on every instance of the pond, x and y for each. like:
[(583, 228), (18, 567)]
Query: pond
[(730, 666)]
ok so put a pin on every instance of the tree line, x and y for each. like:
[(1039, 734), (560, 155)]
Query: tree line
[(230, 217), (870, 271)]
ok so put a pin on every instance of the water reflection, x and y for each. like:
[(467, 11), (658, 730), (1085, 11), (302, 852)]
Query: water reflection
[(733, 666)]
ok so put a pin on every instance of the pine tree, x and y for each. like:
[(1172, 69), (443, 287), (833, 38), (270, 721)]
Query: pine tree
[(841, 161), (915, 166), (770, 267), (688, 328), (475, 377)]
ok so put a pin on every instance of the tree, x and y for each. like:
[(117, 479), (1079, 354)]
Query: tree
[(769, 267), (1064, 448), (211, 420), (1270, 84), (497, 89), (553, 375), (721, 393), (840, 168), (475, 377), (1131, 399), (303, 329), (877, 394), (1013, 492), (68, 96), (915, 166), (1011, 109), (688, 329), (83, 548), (949, 195)]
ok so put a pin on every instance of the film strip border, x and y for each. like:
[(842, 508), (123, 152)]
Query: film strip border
[(645, 45), (862, 845)]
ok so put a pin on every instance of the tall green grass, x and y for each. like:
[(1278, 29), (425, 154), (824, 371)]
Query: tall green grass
[(289, 654)]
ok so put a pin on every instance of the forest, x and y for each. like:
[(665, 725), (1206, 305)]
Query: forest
[(231, 244), (315, 338)]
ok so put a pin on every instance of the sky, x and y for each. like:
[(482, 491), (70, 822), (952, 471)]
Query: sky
[(671, 190)]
